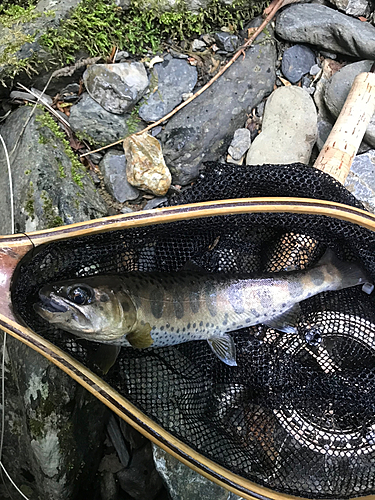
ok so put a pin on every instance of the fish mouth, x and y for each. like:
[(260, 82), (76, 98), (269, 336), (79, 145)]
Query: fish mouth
[(51, 305)]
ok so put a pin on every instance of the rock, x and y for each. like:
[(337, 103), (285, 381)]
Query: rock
[(109, 489), (338, 90), (198, 45), (110, 463), (98, 126), (326, 28), (289, 129), (296, 62), (240, 143), (116, 87), (361, 179), (126, 210), (113, 167), (226, 41), (154, 203), (53, 187), (118, 442), (354, 8), (324, 129), (141, 479), (203, 129), (54, 429), (169, 81), (185, 484), (146, 167), (132, 436), (314, 70), (20, 41)]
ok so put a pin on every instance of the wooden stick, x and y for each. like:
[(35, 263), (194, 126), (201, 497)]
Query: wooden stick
[(340, 148)]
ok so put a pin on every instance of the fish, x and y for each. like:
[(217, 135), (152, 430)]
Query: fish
[(142, 309)]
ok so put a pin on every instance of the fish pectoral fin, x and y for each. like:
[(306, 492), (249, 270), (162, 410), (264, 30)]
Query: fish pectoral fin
[(224, 348), (287, 321), (141, 337), (105, 357)]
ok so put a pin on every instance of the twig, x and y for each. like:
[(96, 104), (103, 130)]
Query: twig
[(69, 70), (240, 51)]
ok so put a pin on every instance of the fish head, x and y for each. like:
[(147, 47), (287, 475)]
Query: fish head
[(95, 308)]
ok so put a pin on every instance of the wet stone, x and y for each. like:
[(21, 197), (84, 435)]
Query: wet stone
[(226, 41), (198, 45), (240, 143), (326, 28), (118, 441), (354, 8), (361, 179), (169, 81), (154, 203), (296, 62), (141, 480), (116, 87), (99, 126), (113, 167)]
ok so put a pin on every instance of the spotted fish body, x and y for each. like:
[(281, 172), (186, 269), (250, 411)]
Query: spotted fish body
[(155, 309)]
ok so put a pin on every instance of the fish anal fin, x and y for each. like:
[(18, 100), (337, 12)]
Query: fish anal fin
[(141, 337), (224, 348), (287, 321)]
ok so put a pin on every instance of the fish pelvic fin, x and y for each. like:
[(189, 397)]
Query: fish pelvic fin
[(351, 273), (140, 337), (224, 348), (287, 321), (105, 357)]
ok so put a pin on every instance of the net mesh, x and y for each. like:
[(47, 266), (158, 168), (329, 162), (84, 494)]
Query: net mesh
[(297, 414)]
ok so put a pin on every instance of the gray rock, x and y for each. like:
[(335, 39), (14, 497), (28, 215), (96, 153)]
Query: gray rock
[(50, 189), (203, 129), (354, 8), (240, 143), (113, 167), (296, 62), (289, 129), (126, 210), (118, 442), (109, 489), (314, 70), (141, 480), (172, 78), (338, 90), (185, 484), (324, 129), (154, 203), (96, 124), (226, 41), (361, 179), (326, 28), (53, 427), (132, 436), (116, 87), (198, 45)]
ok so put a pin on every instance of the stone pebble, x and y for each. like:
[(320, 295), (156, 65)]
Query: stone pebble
[(289, 129), (113, 167), (297, 61), (326, 28)]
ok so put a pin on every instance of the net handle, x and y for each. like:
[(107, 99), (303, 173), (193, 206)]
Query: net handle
[(340, 148)]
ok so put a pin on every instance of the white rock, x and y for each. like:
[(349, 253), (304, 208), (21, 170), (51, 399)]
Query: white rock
[(289, 129), (240, 143)]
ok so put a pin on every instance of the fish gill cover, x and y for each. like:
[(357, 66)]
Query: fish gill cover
[(297, 413)]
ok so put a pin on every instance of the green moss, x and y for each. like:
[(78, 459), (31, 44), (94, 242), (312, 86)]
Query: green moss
[(30, 204), (95, 26), (133, 120), (50, 212), (15, 14), (27, 172), (77, 169), (62, 173)]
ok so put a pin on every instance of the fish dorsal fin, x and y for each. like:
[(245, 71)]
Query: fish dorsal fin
[(287, 321), (141, 337), (224, 348)]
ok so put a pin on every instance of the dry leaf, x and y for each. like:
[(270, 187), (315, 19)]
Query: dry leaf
[(284, 81)]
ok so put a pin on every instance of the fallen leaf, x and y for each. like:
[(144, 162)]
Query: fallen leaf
[(284, 81), (363, 19), (192, 61)]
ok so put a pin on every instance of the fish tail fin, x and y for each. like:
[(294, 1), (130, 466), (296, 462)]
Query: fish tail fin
[(351, 273)]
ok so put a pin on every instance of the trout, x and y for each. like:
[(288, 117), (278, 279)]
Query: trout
[(163, 309)]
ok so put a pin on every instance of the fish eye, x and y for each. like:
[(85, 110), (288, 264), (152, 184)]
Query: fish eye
[(81, 294)]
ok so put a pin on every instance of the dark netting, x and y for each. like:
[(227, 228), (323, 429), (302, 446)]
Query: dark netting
[(297, 414)]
